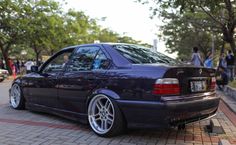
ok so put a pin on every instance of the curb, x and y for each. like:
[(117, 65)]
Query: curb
[(228, 106), (229, 98), (231, 92)]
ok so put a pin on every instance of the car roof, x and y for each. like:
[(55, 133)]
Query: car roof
[(98, 44)]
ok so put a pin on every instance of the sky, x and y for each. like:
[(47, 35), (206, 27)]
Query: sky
[(125, 17)]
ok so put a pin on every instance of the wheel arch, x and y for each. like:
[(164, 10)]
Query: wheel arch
[(109, 93)]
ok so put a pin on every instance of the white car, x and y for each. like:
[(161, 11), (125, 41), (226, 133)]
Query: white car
[(3, 74)]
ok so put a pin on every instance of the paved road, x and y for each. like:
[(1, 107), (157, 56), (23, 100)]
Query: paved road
[(4, 86), (22, 127)]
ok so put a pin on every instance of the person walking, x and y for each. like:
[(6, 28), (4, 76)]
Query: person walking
[(230, 65), (28, 65), (196, 58)]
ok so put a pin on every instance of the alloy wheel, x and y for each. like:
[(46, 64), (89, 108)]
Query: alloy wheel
[(15, 95), (101, 114)]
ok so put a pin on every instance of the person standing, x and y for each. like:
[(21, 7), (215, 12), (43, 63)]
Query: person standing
[(230, 65), (223, 78), (196, 58), (209, 60), (17, 65), (222, 62), (28, 66), (1, 64)]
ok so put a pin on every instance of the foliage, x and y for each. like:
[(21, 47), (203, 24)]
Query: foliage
[(184, 31), (211, 16), (41, 27), (232, 84)]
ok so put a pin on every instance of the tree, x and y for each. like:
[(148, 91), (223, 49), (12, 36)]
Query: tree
[(221, 12), (40, 26), (12, 19), (44, 22), (183, 31)]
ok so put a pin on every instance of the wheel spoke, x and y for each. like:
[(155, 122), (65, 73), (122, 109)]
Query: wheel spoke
[(96, 116), (107, 104), (99, 104), (105, 124), (96, 119), (110, 118), (109, 114)]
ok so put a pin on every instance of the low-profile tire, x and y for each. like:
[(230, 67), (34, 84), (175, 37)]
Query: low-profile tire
[(17, 100), (105, 117)]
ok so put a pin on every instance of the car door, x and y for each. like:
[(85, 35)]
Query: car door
[(83, 74), (42, 87)]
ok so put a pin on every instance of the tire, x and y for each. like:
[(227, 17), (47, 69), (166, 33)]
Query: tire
[(17, 100), (105, 117)]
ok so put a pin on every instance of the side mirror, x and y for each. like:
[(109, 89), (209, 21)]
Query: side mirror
[(35, 69)]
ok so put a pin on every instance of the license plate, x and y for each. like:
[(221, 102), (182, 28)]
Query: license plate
[(198, 86)]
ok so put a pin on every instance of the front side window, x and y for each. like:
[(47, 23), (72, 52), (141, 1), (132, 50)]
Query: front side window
[(58, 63), (83, 58), (139, 55)]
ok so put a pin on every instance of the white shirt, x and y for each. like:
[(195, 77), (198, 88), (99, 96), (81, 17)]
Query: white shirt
[(196, 59), (28, 65)]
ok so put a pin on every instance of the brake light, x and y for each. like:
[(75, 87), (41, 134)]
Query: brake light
[(213, 83), (166, 86)]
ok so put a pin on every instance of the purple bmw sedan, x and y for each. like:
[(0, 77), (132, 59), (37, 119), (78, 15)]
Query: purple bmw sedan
[(113, 86)]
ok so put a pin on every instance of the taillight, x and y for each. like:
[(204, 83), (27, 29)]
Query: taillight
[(213, 83), (166, 86)]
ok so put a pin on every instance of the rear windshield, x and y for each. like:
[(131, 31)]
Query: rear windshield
[(138, 55)]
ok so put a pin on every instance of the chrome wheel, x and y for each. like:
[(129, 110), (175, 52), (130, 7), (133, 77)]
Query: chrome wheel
[(15, 96), (101, 114)]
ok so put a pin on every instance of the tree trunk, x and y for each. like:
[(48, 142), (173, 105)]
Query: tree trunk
[(6, 59), (233, 47), (37, 58)]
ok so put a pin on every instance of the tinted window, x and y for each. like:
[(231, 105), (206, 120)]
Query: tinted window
[(138, 55), (58, 63), (83, 58), (101, 61)]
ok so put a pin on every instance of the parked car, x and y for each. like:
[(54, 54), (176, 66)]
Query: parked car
[(3, 74), (113, 86)]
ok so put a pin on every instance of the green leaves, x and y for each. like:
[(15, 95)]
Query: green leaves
[(191, 23)]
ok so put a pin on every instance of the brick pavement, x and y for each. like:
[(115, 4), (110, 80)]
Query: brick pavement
[(22, 127), (25, 127)]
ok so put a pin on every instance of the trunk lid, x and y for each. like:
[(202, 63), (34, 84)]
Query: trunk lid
[(192, 80)]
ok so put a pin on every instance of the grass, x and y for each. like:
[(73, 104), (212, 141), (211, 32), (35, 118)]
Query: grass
[(232, 84)]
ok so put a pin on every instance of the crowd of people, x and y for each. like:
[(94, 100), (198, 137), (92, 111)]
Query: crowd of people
[(225, 67), (16, 66)]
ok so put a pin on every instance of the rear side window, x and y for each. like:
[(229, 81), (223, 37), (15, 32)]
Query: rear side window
[(139, 55), (100, 61), (82, 59)]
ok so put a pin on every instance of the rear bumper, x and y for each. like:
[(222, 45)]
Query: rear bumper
[(149, 114)]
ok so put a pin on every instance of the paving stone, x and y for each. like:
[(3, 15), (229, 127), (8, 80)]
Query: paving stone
[(25, 127), (216, 127), (224, 142)]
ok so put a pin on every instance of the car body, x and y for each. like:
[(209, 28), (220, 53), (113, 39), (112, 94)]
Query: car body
[(3, 74), (137, 87)]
